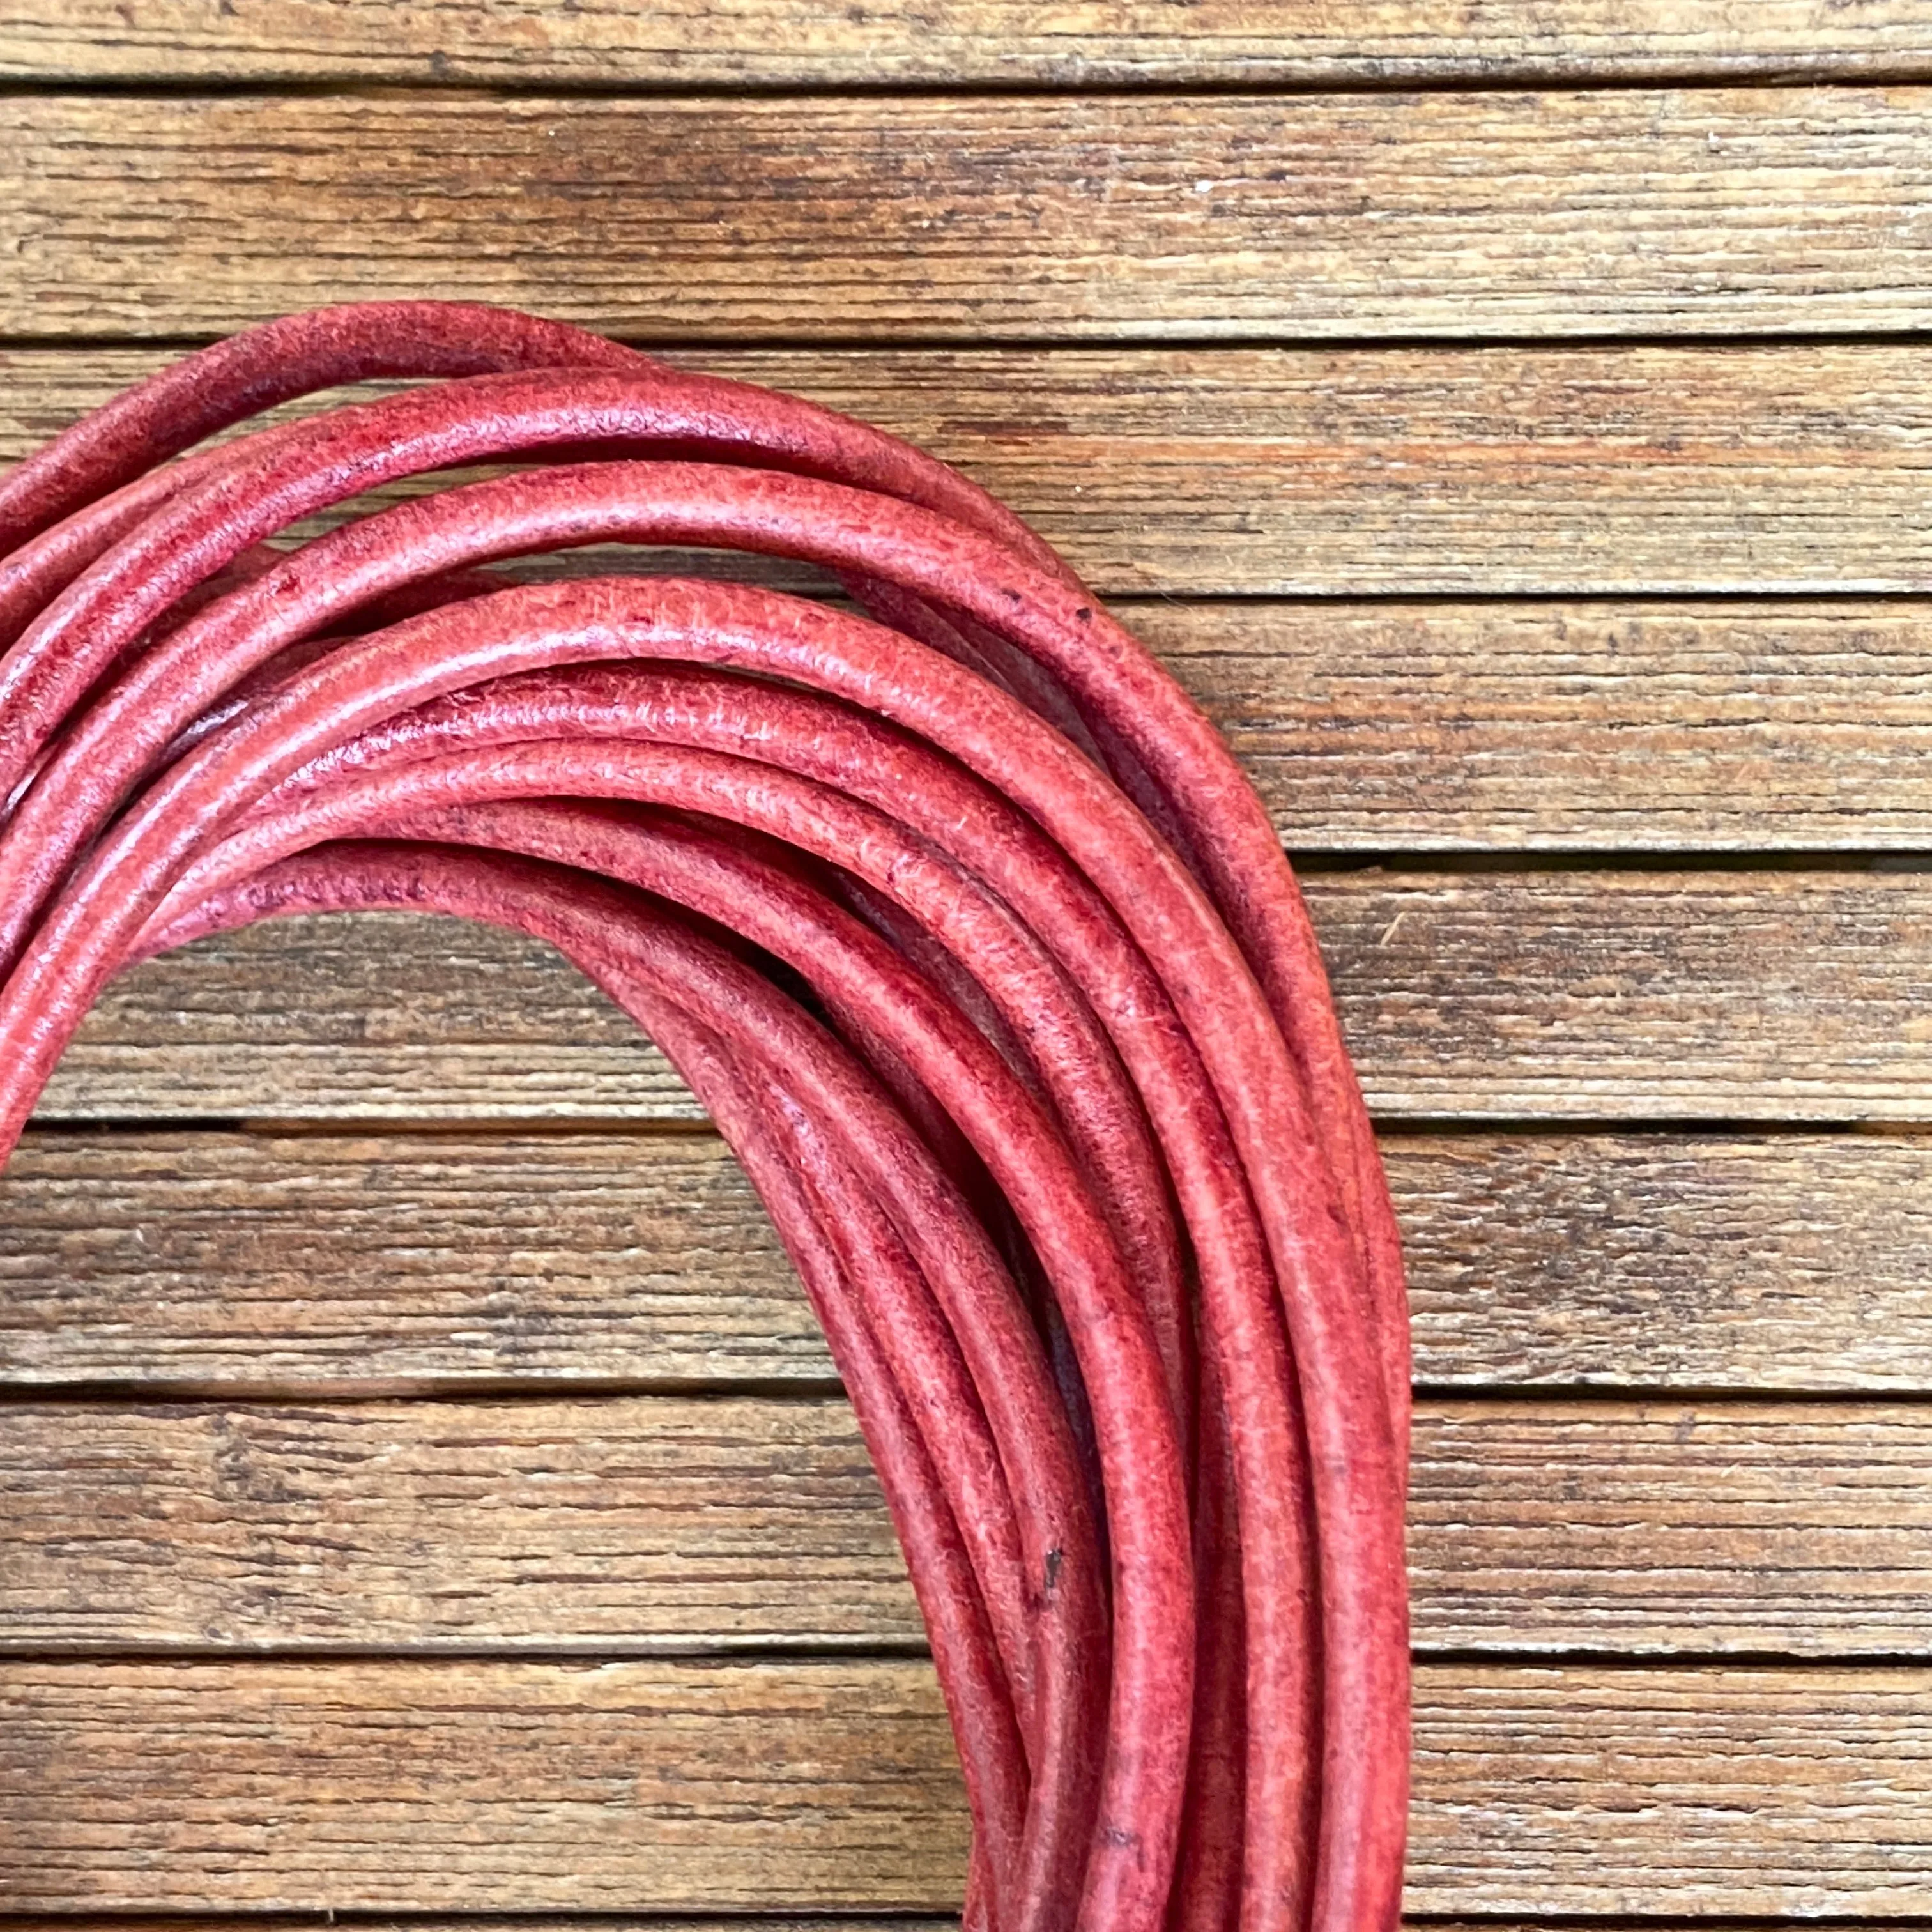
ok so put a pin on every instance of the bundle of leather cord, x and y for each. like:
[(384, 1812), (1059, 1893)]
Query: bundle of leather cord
[(959, 918)]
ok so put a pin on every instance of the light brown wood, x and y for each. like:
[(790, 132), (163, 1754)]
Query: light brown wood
[(347, 1264), (1778, 1529), (1543, 471), (768, 43), (651, 1526), (1600, 726), (603, 1922), (1560, 995), (401, 1786), (230, 1265), (1347, 216), (1592, 1791), (268, 1922), (396, 1785), (1796, 1262)]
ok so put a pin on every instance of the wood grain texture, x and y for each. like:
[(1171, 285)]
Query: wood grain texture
[(1585, 726), (1793, 1262), (1779, 1529), (646, 1524), (738, 1922), (603, 1922), (1792, 467), (1353, 216), (394, 1785), (1580, 996), (773, 43), (407, 1786), (229, 1265), (656, 1526)]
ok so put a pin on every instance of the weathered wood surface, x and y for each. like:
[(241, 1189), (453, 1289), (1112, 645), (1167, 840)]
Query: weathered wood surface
[(641, 1524), (1565, 995), (94, 1921), (232, 1265), (604, 1922), (1600, 726), (1792, 467), (1337, 215), (772, 43), (420, 1785), (652, 1524), (402, 1785), (550, 1922), (841, 1922)]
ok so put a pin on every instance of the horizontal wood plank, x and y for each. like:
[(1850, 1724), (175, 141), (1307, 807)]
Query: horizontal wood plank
[(411, 1785), (1578, 996), (232, 1264), (1350, 216), (1777, 1529), (738, 1922), (1723, 1262), (1584, 726), (421, 1786), (767, 42), (1792, 467), (94, 1922), (660, 1526), (640, 1525), (253, 1922)]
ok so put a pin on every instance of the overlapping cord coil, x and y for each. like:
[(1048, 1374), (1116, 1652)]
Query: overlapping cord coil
[(958, 917)]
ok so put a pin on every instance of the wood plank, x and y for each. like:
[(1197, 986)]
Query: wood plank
[(1335, 216), (1576, 995), (549, 1922), (1787, 468), (409, 1785), (765, 43), (1559, 995), (1584, 726), (230, 1265), (602, 1922), (332, 1023), (649, 1525), (1793, 1262), (1774, 1528), (401, 1263), (1792, 467), (390, 1785), (655, 1525), (1800, 1792)]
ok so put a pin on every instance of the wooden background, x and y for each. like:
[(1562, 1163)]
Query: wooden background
[(423, 1495)]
